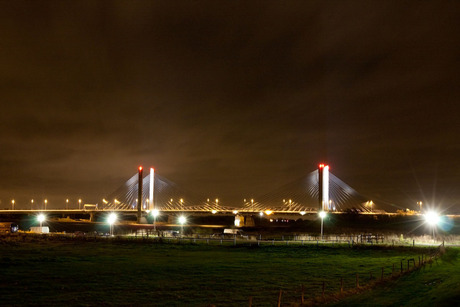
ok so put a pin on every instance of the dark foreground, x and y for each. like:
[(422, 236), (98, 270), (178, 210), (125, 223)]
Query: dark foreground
[(38, 270)]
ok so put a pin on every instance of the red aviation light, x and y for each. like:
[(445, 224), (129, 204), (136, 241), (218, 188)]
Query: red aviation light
[(140, 168), (321, 165)]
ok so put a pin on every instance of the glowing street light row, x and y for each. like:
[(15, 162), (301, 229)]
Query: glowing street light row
[(45, 201)]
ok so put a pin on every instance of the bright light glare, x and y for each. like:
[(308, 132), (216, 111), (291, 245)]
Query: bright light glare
[(41, 218), (235, 211), (155, 212), (432, 218), (182, 220), (268, 212), (322, 214), (112, 218), (214, 211), (261, 213), (302, 212)]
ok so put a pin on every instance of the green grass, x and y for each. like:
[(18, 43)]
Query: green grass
[(435, 285), (129, 273)]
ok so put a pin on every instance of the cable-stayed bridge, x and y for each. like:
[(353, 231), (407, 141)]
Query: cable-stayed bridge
[(318, 190)]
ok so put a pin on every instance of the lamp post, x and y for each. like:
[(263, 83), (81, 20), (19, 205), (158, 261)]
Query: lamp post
[(67, 204), (111, 220), (322, 215), (41, 218), (79, 204), (419, 203), (155, 213), (46, 202), (432, 218), (31, 204), (182, 221), (12, 204)]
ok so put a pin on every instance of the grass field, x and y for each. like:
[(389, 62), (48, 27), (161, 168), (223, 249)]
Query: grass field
[(42, 272), (436, 285)]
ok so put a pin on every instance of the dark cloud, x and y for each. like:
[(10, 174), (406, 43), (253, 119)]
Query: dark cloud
[(229, 99)]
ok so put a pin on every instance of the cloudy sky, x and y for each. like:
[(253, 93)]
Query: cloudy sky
[(230, 99)]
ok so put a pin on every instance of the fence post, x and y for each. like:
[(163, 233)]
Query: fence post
[(250, 301), (401, 267), (303, 292), (279, 298)]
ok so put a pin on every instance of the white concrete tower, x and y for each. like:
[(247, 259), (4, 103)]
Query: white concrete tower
[(151, 189)]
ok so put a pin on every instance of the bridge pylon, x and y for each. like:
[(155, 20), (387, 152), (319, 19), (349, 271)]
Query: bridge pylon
[(323, 187), (139, 196), (151, 189)]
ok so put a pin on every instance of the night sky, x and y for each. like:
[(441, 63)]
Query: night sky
[(230, 99)]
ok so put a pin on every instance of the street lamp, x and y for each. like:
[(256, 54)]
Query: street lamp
[(322, 215), (41, 218), (111, 220), (182, 221), (46, 201), (31, 204), (432, 218), (419, 203), (155, 213), (67, 204), (79, 204), (369, 204), (12, 203)]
